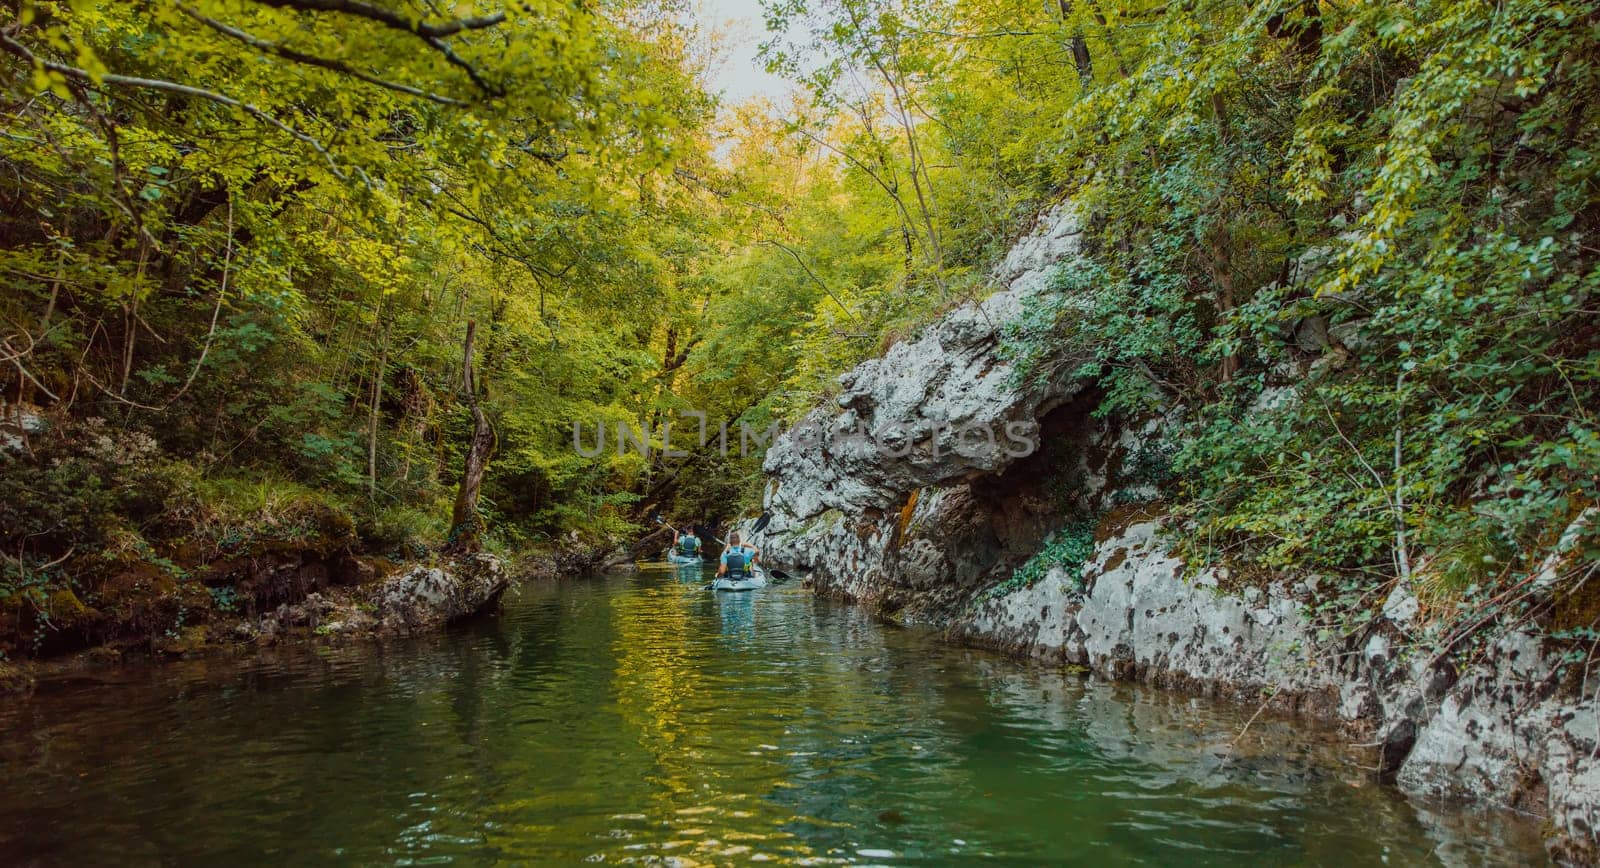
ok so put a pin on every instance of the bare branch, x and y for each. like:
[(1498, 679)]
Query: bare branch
[(216, 312), (15, 357)]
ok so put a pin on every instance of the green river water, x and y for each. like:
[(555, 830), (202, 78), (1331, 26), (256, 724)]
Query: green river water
[(638, 718)]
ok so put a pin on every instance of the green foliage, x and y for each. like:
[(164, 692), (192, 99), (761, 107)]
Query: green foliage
[(1457, 405), (234, 513), (1068, 549), (407, 530), (257, 232), (1350, 241), (78, 490), (224, 599)]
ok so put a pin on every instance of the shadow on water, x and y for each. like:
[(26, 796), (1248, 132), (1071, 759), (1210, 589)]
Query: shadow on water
[(641, 716)]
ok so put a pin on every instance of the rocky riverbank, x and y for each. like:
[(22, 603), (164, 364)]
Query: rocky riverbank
[(368, 601), (1066, 554)]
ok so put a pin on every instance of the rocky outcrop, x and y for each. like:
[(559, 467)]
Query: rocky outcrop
[(1133, 614), (415, 600), (936, 408), (939, 469), (873, 501), (1506, 732)]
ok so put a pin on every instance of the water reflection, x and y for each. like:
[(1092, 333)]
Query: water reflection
[(645, 717), (737, 612)]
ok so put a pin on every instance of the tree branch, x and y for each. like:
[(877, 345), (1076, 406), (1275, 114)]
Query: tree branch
[(450, 55), (338, 66), (17, 48), (390, 18), (216, 312), (432, 34), (813, 275)]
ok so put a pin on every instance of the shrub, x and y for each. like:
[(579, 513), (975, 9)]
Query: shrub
[(1068, 548)]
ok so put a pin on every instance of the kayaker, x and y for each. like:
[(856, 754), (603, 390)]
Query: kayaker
[(737, 558), (689, 544)]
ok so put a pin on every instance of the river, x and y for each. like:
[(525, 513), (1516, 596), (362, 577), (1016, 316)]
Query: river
[(639, 717)]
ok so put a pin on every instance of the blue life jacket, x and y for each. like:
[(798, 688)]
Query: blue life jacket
[(689, 545)]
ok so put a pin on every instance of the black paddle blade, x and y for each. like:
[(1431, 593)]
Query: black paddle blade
[(761, 523)]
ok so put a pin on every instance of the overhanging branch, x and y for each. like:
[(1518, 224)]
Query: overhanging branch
[(390, 18), (72, 72), (813, 275), (432, 34), (287, 53)]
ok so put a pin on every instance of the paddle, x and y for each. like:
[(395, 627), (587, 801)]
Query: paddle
[(759, 526), (778, 575), (762, 522)]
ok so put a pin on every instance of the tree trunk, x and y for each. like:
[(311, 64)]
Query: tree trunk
[(130, 310), (1111, 39), (1079, 46), (1080, 59), (466, 526), (372, 421), (1220, 263)]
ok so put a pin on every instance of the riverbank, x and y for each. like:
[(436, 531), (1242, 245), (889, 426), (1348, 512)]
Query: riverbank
[(134, 551), (207, 577), (404, 600), (1504, 721)]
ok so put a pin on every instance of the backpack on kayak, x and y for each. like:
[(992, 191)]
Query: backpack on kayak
[(737, 560)]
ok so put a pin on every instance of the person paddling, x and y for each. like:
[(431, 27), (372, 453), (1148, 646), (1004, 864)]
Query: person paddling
[(688, 543), (737, 558)]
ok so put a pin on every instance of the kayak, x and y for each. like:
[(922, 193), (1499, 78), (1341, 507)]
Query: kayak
[(675, 558), (756, 579)]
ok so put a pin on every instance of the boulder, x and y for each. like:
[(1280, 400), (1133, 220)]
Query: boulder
[(424, 597), (411, 600)]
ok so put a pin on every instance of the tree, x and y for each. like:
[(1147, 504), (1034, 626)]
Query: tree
[(466, 525)]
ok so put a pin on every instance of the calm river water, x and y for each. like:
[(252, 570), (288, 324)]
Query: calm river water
[(639, 718)]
